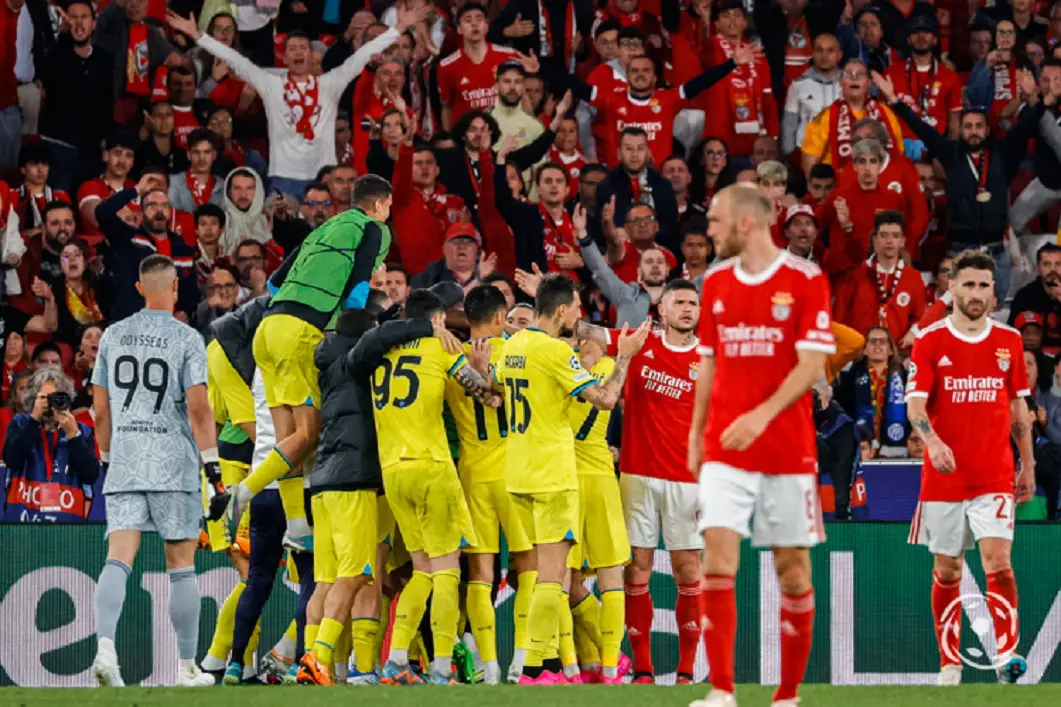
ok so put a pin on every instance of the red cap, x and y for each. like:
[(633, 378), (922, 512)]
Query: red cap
[(1025, 318), (463, 229), (801, 209)]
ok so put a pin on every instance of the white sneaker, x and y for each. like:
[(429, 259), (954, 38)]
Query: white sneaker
[(191, 676), (492, 673), (791, 702), (716, 698), (950, 675), (105, 668)]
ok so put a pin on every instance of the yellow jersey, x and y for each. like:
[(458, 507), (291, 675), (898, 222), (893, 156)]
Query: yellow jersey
[(407, 394), (482, 430), (590, 426), (541, 376)]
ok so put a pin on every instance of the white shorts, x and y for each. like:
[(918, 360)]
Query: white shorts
[(651, 504), (785, 507), (175, 515), (950, 527)]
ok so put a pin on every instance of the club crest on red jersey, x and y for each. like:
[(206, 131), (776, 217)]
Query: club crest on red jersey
[(903, 299), (782, 305), (694, 370), (1003, 359)]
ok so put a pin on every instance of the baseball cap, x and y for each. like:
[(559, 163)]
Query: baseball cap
[(450, 293), (1025, 318), (800, 209), (463, 229), (922, 22)]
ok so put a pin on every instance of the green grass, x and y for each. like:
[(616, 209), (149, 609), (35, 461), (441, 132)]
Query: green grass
[(508, 696)]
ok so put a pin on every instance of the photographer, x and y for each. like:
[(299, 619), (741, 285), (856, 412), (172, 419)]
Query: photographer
[(50, 457)]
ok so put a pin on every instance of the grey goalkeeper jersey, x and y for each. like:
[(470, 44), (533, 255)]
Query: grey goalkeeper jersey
[(147, 362)]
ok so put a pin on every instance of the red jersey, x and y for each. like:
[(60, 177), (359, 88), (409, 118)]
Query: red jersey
[(799, 51), (96, 190), (740, 107), (868, 297), (573, 165), (626, 268), (969, 383), (659, 395), (467, 86), (8, 32), (898, 174), (753, 326), (933, 92), (30, 209), (847, 249), (654, 115), (184, 122), (606, 81)]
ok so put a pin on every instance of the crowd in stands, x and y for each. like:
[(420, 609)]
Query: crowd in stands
[(891, 134)]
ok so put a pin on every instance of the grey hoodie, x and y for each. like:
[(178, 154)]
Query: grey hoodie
[(808, 96), (241, 225)]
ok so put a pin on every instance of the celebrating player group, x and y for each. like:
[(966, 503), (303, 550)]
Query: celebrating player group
[(316, 415)]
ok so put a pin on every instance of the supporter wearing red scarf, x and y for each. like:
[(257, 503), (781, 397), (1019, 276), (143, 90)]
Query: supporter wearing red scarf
[(750, 108), (137, 65), (371, 100), (422, 209), (560, 240), (1004, 75)]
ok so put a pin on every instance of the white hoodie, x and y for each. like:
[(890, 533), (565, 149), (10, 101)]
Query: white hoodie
[(808, 96)]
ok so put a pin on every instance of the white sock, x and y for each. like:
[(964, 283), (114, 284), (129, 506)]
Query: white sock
[(519, 657), (399, 656), (571, 671), (611, 672), (249, 671), (442, 665), (298, 528), (285, 648), (186, 663), (106, 645), (211, 664), (591, 667)]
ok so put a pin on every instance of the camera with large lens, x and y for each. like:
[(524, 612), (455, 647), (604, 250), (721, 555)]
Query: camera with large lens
[(59, 401)]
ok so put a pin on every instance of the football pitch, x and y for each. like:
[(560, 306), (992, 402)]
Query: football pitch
[(511, 696)]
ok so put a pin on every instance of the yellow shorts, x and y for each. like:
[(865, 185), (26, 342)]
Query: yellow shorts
[(227, 389), (399, 555), (548, 517), (429, 506), (283, 349), (385, 525), (341, 545), (231, 473), (604, 540), (491, 509)]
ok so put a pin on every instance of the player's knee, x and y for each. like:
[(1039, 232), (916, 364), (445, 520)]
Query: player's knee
[(685, 564), (949, 569), (793, 570), (995, 558)]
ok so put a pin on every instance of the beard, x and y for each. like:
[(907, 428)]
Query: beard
[(729, 246), (509, 102), (157, 225), (681, 328), (966, 308), (653, 283), (56, 241), (566, 332)]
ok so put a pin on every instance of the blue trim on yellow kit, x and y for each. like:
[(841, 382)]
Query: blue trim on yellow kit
[(456, 365)]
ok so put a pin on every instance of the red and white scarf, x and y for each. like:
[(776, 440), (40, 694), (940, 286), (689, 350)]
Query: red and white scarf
[(545, 35), (558, 236), (842, 119), (1005, 76), (33, 210), (200, 192), (304, 103), (137, 62)]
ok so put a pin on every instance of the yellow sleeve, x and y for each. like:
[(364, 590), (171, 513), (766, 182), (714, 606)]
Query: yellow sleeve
[(566, 368), (896, 127), (816, 136), (849, 344)]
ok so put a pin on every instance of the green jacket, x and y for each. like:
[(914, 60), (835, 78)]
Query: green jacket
[(330, 271)]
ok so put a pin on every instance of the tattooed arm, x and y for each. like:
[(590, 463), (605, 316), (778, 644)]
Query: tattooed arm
[(477, 386), (606, 395), (941, 455), (1021, 429)]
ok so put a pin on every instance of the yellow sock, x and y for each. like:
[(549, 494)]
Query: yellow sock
[(568, 656), (365, 631), (612, 615), (384, 623), (521, 608), (327, 639), (310, 638), (252, 645), (341, 654), (292, 498), (272, 468), (481, 615), (221, 643), (445, 611), (291, 633), (586, 616), (411, 606), (543, 618)]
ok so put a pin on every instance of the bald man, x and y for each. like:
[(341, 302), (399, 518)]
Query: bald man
[(765, 329)]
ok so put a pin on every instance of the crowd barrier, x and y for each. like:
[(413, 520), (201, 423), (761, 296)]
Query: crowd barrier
[(874, 624)]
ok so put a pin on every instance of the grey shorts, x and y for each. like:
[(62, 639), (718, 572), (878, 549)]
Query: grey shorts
[(175, 515)]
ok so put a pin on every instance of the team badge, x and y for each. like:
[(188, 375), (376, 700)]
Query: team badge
[(797, 40), (895, 187), (782, 305), (1003, 359), (743, 113), (903, 299), (717, 308), (574, 363), (694, 370), (575, 171)]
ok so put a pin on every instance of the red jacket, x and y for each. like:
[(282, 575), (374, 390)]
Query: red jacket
[(420, 224), (900, 176), (858, 300), (736, 103), (849, 249)]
